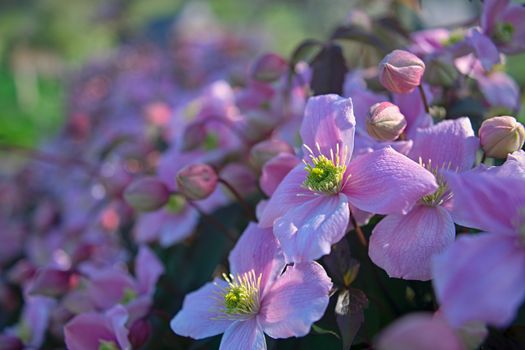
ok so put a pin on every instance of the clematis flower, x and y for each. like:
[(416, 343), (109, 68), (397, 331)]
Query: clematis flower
[(256, 298), (98, 331), (403, 245), (310, 210), (504, 23), (491, 265)]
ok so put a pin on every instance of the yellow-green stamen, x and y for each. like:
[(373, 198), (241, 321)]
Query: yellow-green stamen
[(107, 345), (442, 194), (503, 32), (240, 298), (325, 175)]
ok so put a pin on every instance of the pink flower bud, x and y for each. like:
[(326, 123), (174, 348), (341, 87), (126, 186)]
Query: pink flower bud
[(268, 68), (401, 71), (197, 181), (500, 136), (147, 194), (51, 282), (239, 176), (385, 122), (139, 333), (266, 150)]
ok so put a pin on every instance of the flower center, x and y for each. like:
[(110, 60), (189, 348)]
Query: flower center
[(107, 345), (176, 204), (325, 175), (503, 33), (241, 296), (442, 194)]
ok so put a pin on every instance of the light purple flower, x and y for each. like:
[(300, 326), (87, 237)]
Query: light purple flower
[(91, 330), (256, 298), (500, 90), (403, 245), (310, 209), (504, 23), (482, 277)]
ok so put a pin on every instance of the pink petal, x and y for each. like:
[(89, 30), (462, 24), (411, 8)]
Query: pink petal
[(515, 15), (487, 202), (403, 245), (484, 49), (329, 121), (491, 10), (448, 144), (307, 232), (289, 194), (275, 170), (296, 300), (243, 335), (200, 316), (148, 269), (257, 249), (85, 331), (480, 278), (419, 331), (387, 182)]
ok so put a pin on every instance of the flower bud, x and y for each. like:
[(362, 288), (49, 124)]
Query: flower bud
[(147, 194), (441, 71), (197, 181), (401, 71), (139, 333), (385, 122), (266, 150), (51, 282), (500, 136), (268, 68)]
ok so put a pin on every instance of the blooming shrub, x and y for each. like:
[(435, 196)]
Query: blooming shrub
[(202, 191)]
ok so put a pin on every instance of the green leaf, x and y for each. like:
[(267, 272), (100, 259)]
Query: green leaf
[(318, 330)]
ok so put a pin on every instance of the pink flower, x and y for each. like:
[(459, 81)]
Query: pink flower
[(256, 298), (489, 265), (310, 209), (403, 245), (504, 23)]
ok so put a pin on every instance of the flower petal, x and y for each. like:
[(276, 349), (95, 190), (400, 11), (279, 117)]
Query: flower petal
[(450, 143), (486, 201), (329, 121), (257, 249), (275, 170), (243, 335), (419, 331), (200, 316), (289, 194), (480, 278), (403, 245), (308, 231), (148, 269), (296, 300), (387, 182)]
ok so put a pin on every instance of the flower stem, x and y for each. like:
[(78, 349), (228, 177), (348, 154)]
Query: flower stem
[(424, 98), (357, 228), (245, 206)]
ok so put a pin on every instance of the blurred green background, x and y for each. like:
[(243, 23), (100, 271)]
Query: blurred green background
[(43, 41)]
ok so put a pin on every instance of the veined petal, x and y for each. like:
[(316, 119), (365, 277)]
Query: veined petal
[(289, 194), (387, 182), (486, 201), (448, 144), (480, 278), (296, 300), (257, 250), (200, 314), (329, 121), (275, 170), (403, 245), (243, 335), (307, 232)]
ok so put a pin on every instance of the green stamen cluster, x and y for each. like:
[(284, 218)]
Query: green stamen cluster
[(503, 33), (324, 175), (128, 296), (175, 204), (241, 296), (442, 193), (107, 345)]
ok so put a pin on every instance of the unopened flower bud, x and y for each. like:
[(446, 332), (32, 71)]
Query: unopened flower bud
[(385, 121), (147, 194), (266, 150), (268, 68), (197, 181), (401, 71), (440, 71), (500, 136), (139, 333), (51, 282)]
